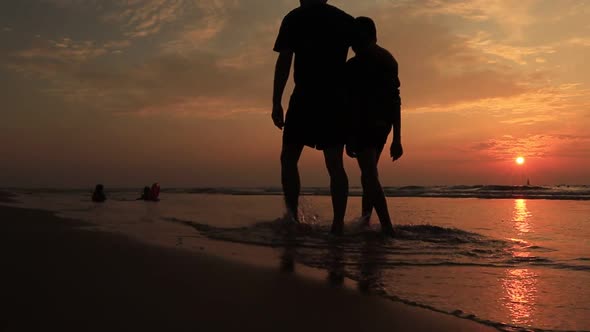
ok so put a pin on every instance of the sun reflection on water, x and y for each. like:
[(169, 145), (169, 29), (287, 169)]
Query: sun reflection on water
[(520, 284), (521, 217), (520, 299)]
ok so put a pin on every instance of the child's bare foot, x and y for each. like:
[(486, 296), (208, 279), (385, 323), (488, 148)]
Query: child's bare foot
[(363, 223)]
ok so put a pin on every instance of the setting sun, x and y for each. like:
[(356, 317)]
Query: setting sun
[(520, 160)]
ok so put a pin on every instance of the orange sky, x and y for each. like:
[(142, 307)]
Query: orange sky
[(128, 92)]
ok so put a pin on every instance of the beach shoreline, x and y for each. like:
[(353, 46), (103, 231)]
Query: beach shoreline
[(7, 197), (59, 275)]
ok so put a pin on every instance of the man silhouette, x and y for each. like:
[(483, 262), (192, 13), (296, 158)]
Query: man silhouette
[(318, 36)]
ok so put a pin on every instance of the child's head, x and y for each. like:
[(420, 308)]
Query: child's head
[(99, 188), (365, 33)]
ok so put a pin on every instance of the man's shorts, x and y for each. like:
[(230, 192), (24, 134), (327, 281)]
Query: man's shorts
[(316, 122)]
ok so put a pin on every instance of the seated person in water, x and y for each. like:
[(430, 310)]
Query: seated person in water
[(155, 192), (151, 194), (374, 108), (145, 196), (98, 195)]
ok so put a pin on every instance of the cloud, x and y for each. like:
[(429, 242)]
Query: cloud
[(579, 41), (222, 48), (67, 50), (208, 20), (225, 54), (64, 50), (70, 3), (511, 16), (437, 65), (208, 107), (481, 80), (145, 18), (542, 105), (170, 84), (178, 76), (516, 54), (194, 37), (533, 146)]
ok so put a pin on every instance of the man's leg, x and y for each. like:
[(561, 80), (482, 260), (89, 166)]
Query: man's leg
[(338, 186), (290, 177), (367, 160), (367, 205)]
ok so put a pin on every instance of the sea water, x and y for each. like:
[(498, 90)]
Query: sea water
[(513, 263)]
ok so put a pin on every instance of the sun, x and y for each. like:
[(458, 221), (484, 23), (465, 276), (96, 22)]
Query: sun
[(520, 160)]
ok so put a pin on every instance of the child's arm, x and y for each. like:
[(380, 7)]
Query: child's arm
[(396, 150), (397, 124), (396, 146)]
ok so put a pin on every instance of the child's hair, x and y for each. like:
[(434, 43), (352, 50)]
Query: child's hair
[(365, 29), (99, 187)]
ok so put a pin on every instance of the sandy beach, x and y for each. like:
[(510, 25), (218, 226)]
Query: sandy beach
[(59, 276)]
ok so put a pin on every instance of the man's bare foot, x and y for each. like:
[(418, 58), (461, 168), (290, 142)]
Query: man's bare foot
[(388, 231), (337, 229), (291, 216)]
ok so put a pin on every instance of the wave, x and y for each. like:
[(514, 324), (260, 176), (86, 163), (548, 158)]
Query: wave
[(494, 191), (562, 192), (361, 251), (504, 327), (413, 245)]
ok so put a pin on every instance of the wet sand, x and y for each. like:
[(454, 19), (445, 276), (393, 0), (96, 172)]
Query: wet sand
[(56, 275)]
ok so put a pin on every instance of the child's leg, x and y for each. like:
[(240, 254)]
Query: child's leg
[(367, 159), (367, 204)]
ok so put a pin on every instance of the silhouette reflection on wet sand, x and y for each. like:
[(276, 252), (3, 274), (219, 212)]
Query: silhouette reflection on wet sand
[(370, 259), (365, 263)]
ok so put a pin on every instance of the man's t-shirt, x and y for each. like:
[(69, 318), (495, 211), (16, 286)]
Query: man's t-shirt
[(320, 36), (373, 88)]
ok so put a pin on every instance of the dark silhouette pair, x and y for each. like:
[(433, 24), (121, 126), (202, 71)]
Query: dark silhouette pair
[(150, 194), (336, 103)]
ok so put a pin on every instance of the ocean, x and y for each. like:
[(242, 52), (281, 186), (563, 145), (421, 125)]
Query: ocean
[(516, 258)]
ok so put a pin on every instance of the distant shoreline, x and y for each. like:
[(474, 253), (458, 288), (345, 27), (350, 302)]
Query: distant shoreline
[(560, 192)]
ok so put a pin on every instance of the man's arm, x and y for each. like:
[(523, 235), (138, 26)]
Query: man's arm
[(282, 71)]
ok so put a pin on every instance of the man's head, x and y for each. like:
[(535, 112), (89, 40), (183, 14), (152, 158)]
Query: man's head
[(365, 34), (312, 2)]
